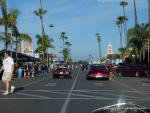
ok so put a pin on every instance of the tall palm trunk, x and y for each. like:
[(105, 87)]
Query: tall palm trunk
[(4, 11), (41, 18), (149, 37), (43, 30), (63, 43), (125, 26), (99, 45), (16, 49), (120, 33), (6, 36), (135, 13)]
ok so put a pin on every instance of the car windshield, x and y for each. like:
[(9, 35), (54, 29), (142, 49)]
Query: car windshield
[(74, 56), (102, 69)]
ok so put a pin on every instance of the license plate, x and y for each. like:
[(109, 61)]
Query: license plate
[(61, 73), (98, 76)]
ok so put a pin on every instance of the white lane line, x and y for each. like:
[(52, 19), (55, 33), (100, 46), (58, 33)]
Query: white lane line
[(34, 82), (129, 87), (145, 84), (102, 93), (89, 96), (99, 84), (31, 95), (65, 105), (50, 84), (64, 99)]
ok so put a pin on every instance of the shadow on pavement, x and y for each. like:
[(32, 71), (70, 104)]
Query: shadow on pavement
[(19, 89)]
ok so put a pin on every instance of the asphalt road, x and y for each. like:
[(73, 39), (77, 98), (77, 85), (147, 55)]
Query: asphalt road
[(76, 95)]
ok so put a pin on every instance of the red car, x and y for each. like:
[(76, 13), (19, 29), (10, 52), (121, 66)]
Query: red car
[(131, 70), (98, 72), (62, 72)]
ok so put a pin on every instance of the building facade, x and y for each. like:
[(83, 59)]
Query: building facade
[(109, 49), (25, 47)]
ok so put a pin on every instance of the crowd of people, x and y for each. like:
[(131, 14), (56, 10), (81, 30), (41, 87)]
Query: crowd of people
[(31, 70)]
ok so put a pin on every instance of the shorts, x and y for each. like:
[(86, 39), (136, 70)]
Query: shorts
[(6, 76)]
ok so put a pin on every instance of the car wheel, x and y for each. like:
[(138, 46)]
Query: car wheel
[(87, 77), (70, 76), (54, 76)]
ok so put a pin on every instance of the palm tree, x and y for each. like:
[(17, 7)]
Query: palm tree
[(137, 37), (43, 46), (149, 32), (123, 52), (3, 6), (120, 23), (99, 45), (124, 3), (135, 13), (63, 38), (65, 47), (9, 22), (66, 51), (12, 18), (40, 12), (12, 24)]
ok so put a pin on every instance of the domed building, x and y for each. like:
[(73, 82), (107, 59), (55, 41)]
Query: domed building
[(109, 49)]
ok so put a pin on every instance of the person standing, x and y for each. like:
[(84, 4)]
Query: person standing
[(8, 68)]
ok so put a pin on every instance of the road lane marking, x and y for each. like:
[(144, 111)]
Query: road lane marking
[(31, 95), (112, 94), (34, 82), (50, 84), (129, 87), (99, 84), (129, 91), (101, 98), (145, 84), (65, 105), (139, 92)]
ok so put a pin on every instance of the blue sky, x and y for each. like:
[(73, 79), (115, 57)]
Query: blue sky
[(80, 19)]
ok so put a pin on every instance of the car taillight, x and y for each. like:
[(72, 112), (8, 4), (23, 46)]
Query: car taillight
[(67, 72)]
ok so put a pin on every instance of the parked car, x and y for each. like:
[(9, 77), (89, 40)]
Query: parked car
[(122, 108), (62, 72), (131, 70), (98, 72)]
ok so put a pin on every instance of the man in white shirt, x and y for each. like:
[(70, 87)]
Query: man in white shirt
[(8, 67)]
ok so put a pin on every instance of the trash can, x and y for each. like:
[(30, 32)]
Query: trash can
[(20, 73)]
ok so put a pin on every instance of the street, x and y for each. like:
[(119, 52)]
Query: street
[(76, 95)]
